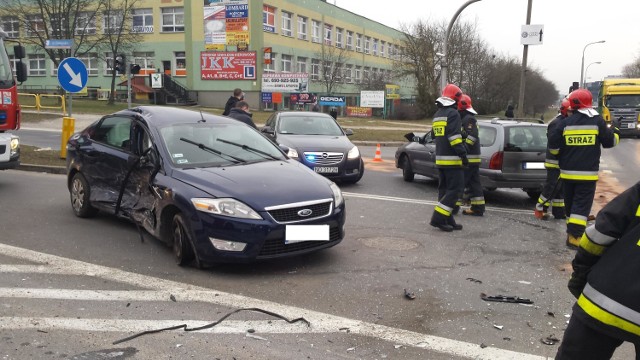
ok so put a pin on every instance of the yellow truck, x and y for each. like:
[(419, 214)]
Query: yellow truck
[(620, 99)]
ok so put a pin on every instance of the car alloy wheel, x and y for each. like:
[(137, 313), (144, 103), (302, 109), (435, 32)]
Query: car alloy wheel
[(79, 193), (182, 250)]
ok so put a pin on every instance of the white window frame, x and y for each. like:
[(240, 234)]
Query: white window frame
[(375, 47), (145, 59), (112, 22), (40, 62), (350, 40), (316, 28), (367, 44), (339, 37), (269, 17), (315, 69), (86, 23), (348, 73), (180, 58), (37, 27), (287, 63), (366, 71), (176, 15), (358, 42), (357, 77), (287, 24), (108, 64), (382, 49), (328, 34), (301, 65), (271, 68), (11, 26), (302, 28), (144, 17)]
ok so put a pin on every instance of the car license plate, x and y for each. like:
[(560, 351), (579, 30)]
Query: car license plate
[(298, 233), (326, 169), (632, 126), (534, 166)]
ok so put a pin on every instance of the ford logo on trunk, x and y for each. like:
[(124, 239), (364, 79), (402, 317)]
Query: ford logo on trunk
[(305, 212)]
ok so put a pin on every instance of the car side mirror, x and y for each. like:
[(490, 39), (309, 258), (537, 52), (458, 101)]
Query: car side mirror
[(268, 130), (284, 148), (348, 132), (418, 139)]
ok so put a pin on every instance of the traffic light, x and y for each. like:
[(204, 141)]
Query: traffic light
[(134, 69), (119, 64)]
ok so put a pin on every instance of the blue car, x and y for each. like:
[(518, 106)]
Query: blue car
[(211, 187)]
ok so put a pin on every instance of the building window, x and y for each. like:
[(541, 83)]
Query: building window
[(146, 60), (10, 25), (359, 42), (181, 63), (89, 60), (286, 63), (286, 24), (108, 65), (315, 27), (350, 40), (375, 47), (339, 37), (367, 45), (357, 77), (272, 66), (366, 72), (112, 22), (315, 69), (302, 28), (173, 19), (58, 25), (348, 73), (142, 21), (328, 30), (302, 65), (37, 65), (268, 19), (382, 49), (86, 23), (34, 25)]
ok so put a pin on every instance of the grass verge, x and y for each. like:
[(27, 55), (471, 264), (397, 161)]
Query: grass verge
[(33, 155)]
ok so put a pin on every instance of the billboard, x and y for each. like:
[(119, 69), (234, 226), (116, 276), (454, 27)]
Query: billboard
[(226, 22), (285, 82), (373, 99), (228, 65)]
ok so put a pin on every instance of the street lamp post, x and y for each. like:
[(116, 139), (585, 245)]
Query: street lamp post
[(443, 66), (586, 71), (582, 66)]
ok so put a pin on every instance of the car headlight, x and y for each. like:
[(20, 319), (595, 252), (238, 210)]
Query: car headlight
[(15, 145), (337, 194), (225, 207), (354, 153), (293, 153)]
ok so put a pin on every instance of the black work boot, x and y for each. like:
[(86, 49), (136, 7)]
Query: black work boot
[(451, 221), (440, 221)]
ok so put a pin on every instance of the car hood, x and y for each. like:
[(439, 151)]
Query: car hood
[(259, 185), (316, 142)]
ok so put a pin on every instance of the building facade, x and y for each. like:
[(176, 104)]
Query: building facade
[(286, 48)]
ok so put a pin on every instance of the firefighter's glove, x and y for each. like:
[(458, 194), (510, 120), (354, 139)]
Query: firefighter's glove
[(465, 161), (578, 280), (616, 123)]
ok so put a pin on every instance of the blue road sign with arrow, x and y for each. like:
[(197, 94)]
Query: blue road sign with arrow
[(72, 75)]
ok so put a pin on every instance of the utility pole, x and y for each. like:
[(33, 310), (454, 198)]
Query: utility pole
[(525, 53)]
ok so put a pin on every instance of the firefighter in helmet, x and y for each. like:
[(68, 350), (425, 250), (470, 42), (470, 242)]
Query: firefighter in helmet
[(472, 144), (451, 157), (577, 141), (551, 195)]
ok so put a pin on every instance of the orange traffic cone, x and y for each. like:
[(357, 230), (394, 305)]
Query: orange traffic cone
[(378, 157)]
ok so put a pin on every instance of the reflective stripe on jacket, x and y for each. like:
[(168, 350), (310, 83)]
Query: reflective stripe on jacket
[(448, 139)]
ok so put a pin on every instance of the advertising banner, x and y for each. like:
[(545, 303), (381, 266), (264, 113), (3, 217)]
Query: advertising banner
[(372, 99), (393, 91), (226, 22), (332, 100), (228, 65), (285, 82), (266, 97), (356, 111), (304, 98)]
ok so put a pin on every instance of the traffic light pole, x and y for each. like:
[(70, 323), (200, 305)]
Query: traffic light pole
[(128, 70)]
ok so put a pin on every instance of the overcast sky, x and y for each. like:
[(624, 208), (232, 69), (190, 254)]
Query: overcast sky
[(569, 25)]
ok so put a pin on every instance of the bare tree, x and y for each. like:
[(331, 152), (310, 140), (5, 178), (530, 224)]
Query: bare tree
[(632, 70), (332, 60)]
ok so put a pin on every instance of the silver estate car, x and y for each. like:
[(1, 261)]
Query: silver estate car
[(512, 155)]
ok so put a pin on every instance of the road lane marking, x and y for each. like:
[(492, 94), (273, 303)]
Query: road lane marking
[(426, 202), (319, 321)]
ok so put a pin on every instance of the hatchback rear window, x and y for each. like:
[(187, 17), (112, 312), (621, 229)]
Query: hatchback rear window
[(526, 138), (487, 135)]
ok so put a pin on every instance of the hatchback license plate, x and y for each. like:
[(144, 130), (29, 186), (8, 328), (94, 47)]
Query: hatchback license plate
[(632, 126), (326, 169), (534, 166), (298, 233)]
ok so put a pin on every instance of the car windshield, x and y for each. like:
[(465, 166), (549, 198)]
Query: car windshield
[(526, 138), (303, 124), (206, 144), (623, 101)]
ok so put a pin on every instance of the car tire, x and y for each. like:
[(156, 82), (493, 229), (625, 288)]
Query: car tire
[(182, 244), (407, 171), (79, 193)]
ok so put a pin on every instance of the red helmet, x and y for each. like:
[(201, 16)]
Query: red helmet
[(565, 105), (464, 103), (580, 99), (452, 92)]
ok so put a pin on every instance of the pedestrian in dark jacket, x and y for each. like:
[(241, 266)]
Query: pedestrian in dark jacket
[(241, 113), (334, 113), (231, 103), (509, 112)]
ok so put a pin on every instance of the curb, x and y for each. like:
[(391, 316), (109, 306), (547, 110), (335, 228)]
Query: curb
[(58, 170)]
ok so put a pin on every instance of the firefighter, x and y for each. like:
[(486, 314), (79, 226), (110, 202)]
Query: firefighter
[(552, 191), (604, 282), (577, 142), (451, 157), (472, 144)]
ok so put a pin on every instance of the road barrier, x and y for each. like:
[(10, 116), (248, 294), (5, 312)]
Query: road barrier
[(43, 101)]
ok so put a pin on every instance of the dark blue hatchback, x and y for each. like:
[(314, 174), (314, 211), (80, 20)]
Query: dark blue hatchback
[(212, 188)]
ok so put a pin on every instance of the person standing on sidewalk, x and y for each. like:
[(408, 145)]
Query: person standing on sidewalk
[(577, 142), (451, 157), (238, 95), (241, 113), (472, 144), (605, 283), (551, 195)]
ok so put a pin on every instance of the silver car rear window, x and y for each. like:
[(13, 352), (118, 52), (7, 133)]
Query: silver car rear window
[(526, 138)]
